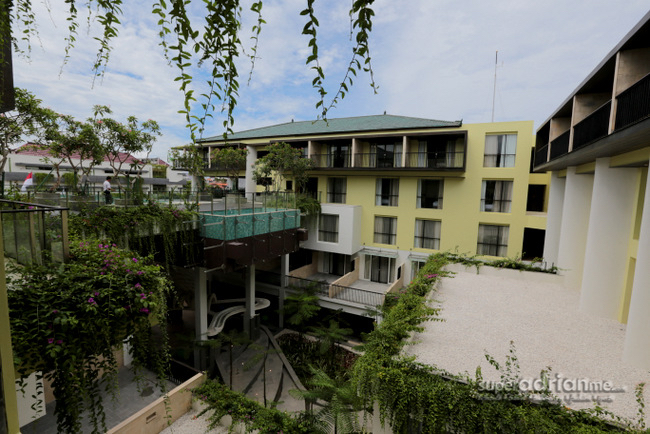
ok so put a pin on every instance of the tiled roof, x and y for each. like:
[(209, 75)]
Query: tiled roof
[(340, 125), (41, 151)]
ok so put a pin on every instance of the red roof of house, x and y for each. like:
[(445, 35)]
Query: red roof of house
[(41, 151)]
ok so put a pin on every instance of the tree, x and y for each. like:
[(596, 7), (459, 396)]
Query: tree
[(73, 141), (329, 337), (302, 305), (231, 160), (282, 160), (337, 399), (119, 142), (211, 42), (27, 120)]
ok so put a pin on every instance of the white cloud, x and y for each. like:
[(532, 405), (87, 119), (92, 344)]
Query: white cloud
[(432, 59)]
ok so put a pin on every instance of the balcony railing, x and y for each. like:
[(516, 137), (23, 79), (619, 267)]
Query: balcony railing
[(560, 145), (331, 161), (339, 292), (633, 103), (541, 155), (436, 160), (34, 233), (375, 160), (593, 127)]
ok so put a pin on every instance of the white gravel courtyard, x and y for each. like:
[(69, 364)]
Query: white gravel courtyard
[(483, 313)]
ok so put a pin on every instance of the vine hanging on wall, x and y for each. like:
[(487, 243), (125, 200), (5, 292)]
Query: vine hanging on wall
[(67, 322)]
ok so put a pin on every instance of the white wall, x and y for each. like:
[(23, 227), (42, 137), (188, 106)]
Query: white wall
[(349, 230)]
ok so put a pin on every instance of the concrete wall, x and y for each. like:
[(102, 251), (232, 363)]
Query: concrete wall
[(157, 416)]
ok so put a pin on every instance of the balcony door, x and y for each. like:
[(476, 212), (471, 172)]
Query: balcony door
[(339, 155), (388, 154), (380, 269)]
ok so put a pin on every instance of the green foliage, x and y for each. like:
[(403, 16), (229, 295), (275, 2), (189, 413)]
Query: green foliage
[(303, 353), (282, 160), (221, 401), (68, 321), (308, 205), (337, 400), (511, 263), (137, 227), (301, 306), (26, 121), (232, 160)]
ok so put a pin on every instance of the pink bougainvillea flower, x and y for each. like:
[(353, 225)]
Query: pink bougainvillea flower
[(144, 310), (91, 300), (135, 259), (59, 342), (50, 340)]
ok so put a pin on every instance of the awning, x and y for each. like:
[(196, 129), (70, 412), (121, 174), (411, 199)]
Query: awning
[(415, 257), (379, 252)]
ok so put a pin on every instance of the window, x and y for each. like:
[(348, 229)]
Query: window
[(336, 190), (387, 192), (496, 196), (387, 155), (500, 150), (335, 263), (427, 234), (430, 193), (492, 240), (328, 228), (415, 267), (385, 230), (536, 197), (379, 269)]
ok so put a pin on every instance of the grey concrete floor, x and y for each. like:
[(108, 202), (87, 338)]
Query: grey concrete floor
[(130, 400)]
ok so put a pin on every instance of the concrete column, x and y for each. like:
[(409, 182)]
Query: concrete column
[(201, 309), (405, 149), (610, 227), (251, 158), (354, 151), (284, 273), (249, 282), (554, 219), (637, 336), (575, 221)]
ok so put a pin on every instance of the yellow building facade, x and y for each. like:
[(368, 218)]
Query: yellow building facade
[(395, 189)]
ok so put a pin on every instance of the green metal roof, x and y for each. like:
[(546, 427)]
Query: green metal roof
[(340, 125)]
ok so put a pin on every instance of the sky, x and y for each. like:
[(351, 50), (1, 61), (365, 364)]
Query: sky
[(434, 59)]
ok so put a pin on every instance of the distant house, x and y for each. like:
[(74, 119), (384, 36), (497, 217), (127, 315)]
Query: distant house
[(31, 158)]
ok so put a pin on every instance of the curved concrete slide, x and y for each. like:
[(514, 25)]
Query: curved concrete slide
[(219, 318)]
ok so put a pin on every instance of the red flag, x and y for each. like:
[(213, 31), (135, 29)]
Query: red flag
[(27, 183)]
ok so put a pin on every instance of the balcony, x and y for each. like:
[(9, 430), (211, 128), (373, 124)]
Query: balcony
[(332, 161), (34, 233), (560, 146), (443, 160), (251, 231), (593, 127), (541, 155), (377, 160), (633, 104), (327, 288)]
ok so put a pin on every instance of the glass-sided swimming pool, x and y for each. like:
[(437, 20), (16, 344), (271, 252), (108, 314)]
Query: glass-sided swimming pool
[(235, 224)]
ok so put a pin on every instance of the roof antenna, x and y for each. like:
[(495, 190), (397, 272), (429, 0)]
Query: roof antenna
[(291, 119), (494, 92)]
